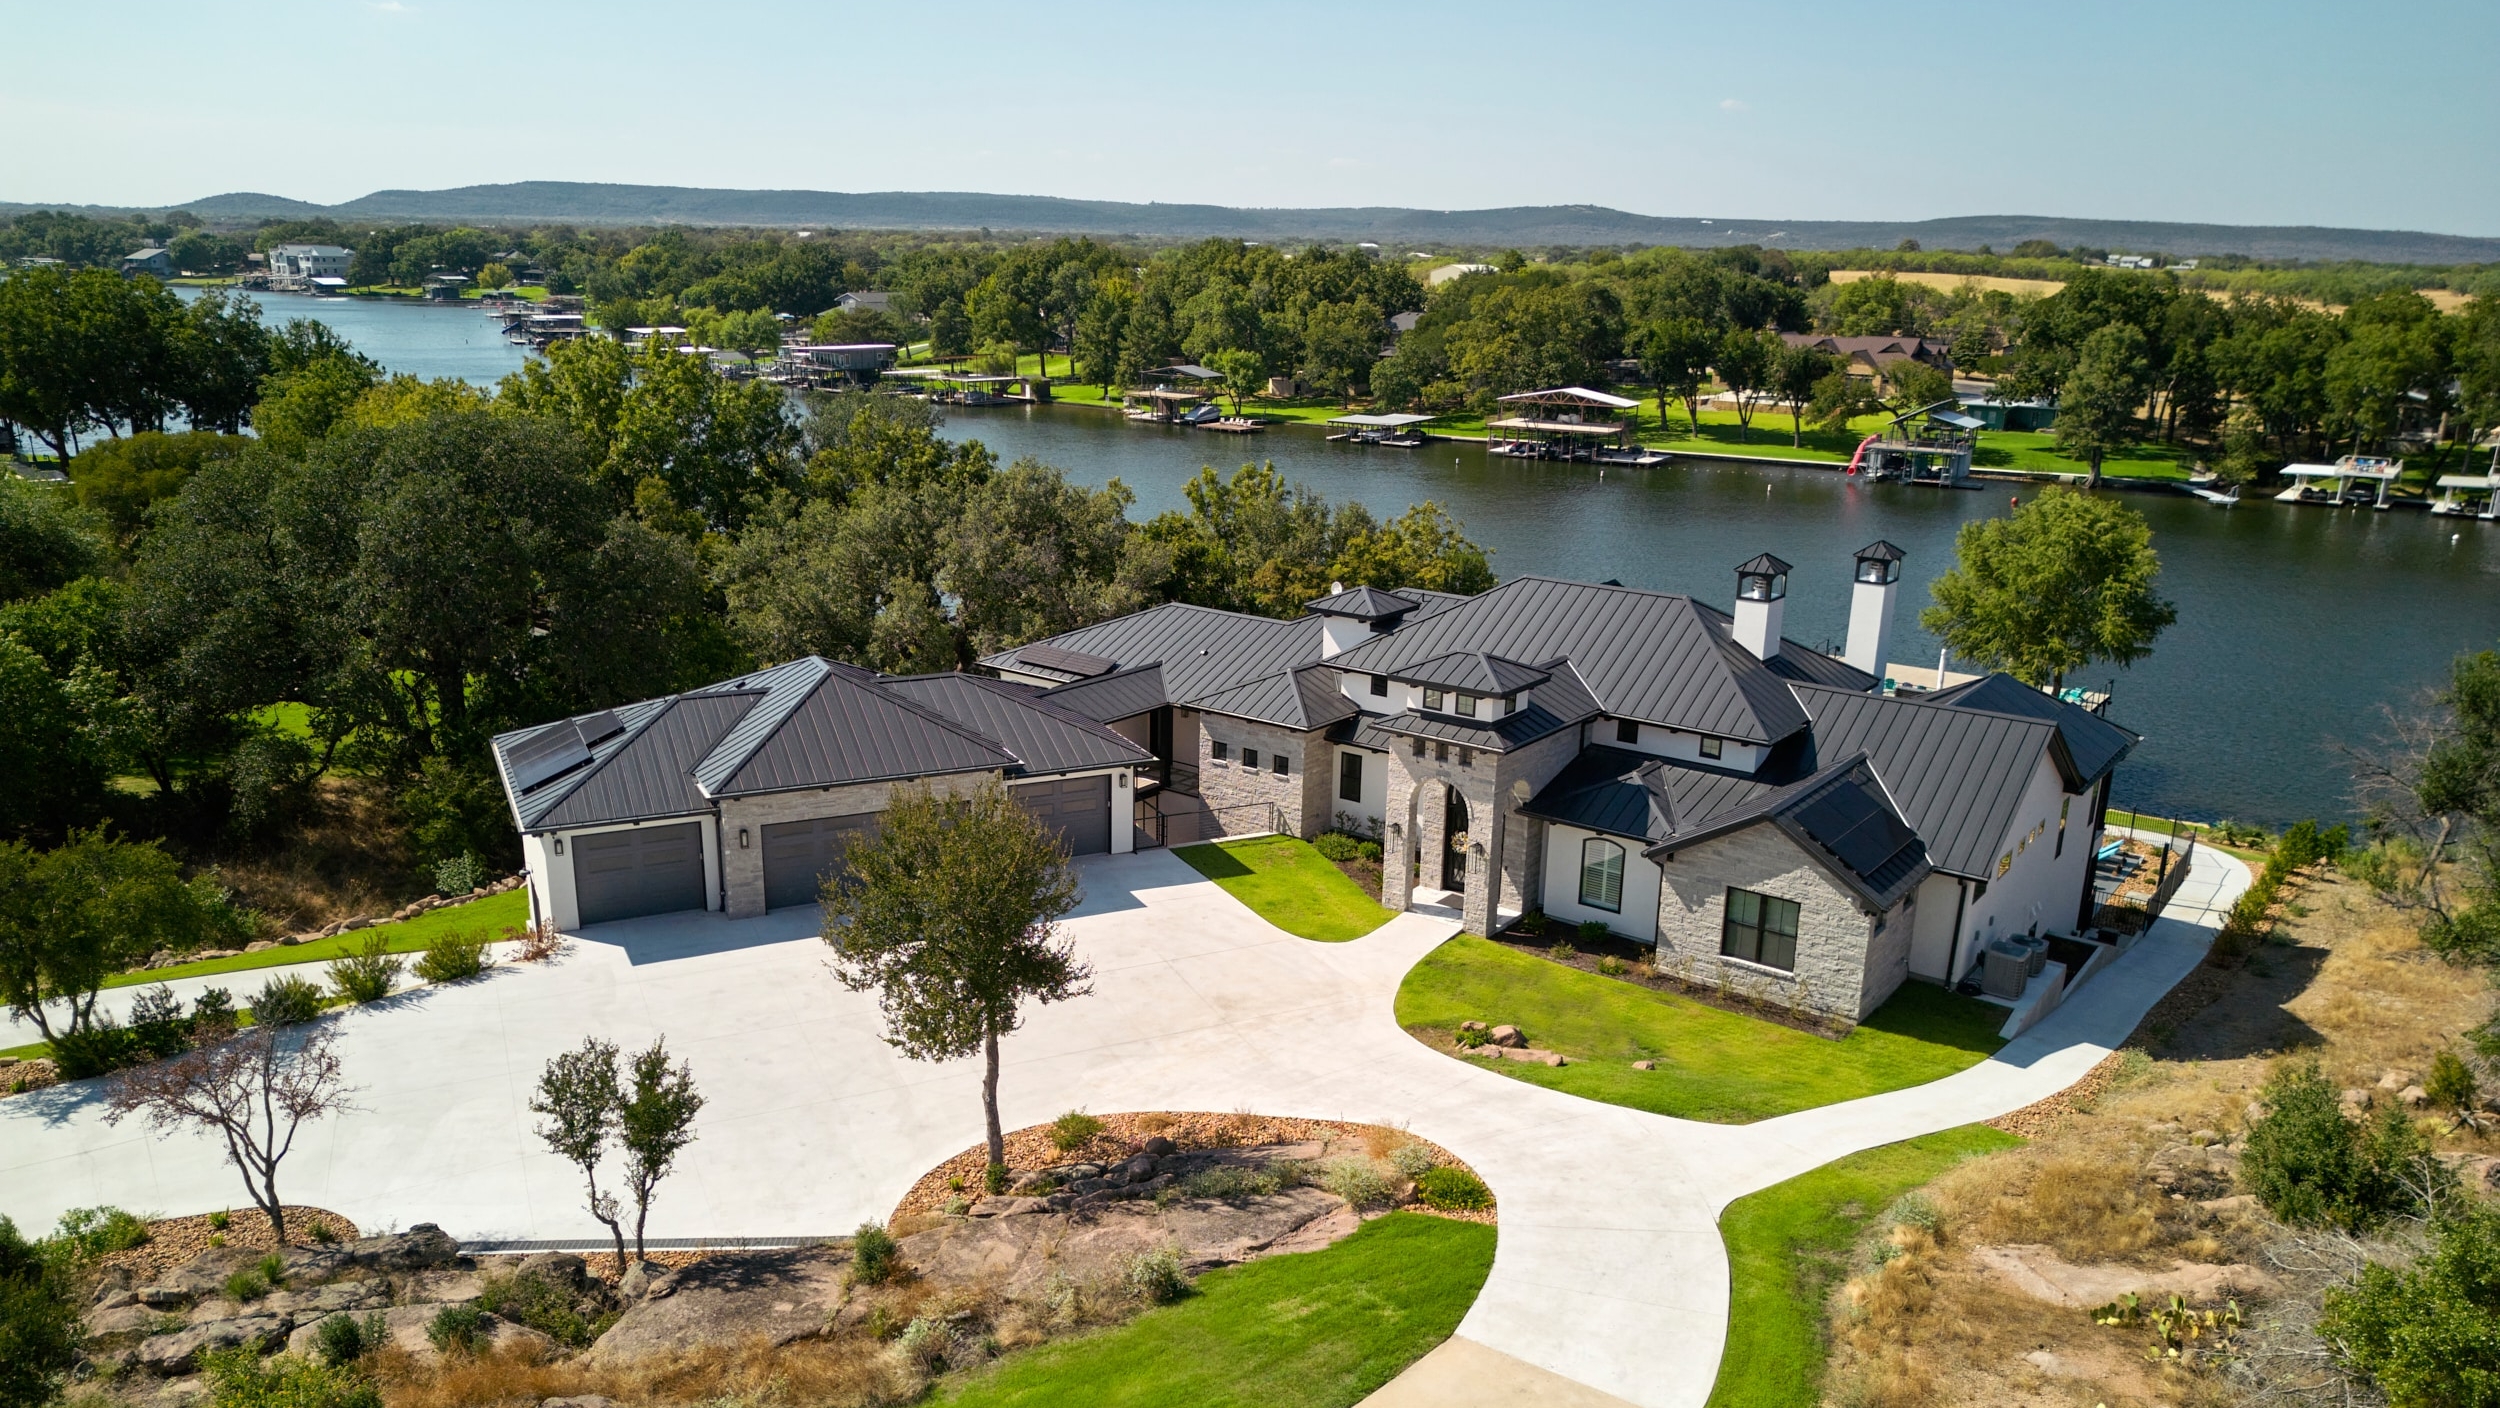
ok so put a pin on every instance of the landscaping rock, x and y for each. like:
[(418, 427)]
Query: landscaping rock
[(447, 1286), (179, 1352), (2356, 1100), (2395, 1080), (1522, 1053), (1471, 1026), (203, 1277), (781, 1296), (2204, 1137), (1160, 1147), (352, 925), (260, 945), (121, 1327), (561, 1269), (2040, 1273), (2233, 1206), (321, 1301), (1012, 1207), (1644, 1065), (1506, 1035), (162, 1297), (419, 1247), (1020, 1254), (579, 1400), (636, 1282), (2414, 1097)]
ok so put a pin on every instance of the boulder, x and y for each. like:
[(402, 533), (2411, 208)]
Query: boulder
[(121, 1327), (637, 1280), (314, 1265), (203, 1277), (1644, 1065), (260, 945), (2204, 1137), (1140, 1168), (2357, 1099), (421, 1246), (319, 1301), (2393, 1081), (2414, 1097), (161, 1297), (561, 1269), (1160, 1147), (447, 1285), (352, 925), (1013, 1207), (1471, 1026), (781, 1296), (1527, 1053), (579, 1400), (2040, 1273), (1020, 1254), (179, 1352), (405, 1326), (1506, 1035)]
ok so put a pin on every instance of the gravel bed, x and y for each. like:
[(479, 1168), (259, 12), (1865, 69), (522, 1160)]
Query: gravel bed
[(173, 1241)]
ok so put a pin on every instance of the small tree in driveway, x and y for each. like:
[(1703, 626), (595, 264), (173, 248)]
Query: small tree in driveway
[(654, 1121), (254, 1089), (578, 1097), (949, 913)]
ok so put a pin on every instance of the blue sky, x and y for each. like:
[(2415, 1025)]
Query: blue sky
[(2292, 112)]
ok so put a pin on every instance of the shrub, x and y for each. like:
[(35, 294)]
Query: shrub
[(157, 1026), (539, 942), (272, 1268), (459, 875), (527, 1298), (2451, 1085), (1592, 931), (1410, 1160), (1235, 1181), (2428, 1334), (322, 1233), (1337, 846), (994, 1179), (369, 973), (343, 1339), (212, 1009), (1155, 1277), (1611, 966), (1471, 1039), (220, 1219), (455, 958), (872, 1255), (285, 1001), (1919, 1211), (89, 1233), (240, 1378), (1452, 1190), (1562, 951), (926, 1342), (1073, 1131), (104, 1045), (39, 1327), (1356, 1181), (1531, 923), (2310, 1166), (457, 1329), (246, 1286)]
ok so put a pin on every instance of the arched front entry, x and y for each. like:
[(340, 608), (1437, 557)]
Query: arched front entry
[(1453, 840)]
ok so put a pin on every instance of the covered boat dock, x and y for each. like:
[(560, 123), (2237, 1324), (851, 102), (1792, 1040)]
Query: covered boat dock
[(1399, 431), (1563, 423), (2355, 480)]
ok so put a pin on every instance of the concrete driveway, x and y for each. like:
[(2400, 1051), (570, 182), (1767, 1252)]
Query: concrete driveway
[(1609, 1283)]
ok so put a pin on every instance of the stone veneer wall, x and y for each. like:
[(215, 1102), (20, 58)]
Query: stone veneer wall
[(1833, 962), (742, 871), (1230, 785), (1494, 784)]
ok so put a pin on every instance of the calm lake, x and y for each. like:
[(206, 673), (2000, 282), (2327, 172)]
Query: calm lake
[(2296, 625)]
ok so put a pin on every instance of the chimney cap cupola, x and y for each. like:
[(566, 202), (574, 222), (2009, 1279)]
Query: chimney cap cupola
[(1879, 563), (1765, 578)]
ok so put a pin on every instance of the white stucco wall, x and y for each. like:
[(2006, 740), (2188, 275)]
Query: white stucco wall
[(1660, 741), (1639, 916), (1931, 940), (1373, 808), (2039, 883)]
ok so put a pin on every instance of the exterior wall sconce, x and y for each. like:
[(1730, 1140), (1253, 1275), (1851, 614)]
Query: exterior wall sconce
[(742, 838), (559, 845), (1123, 782)]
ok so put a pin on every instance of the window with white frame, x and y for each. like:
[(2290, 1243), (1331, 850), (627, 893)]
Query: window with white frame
[(1601, 875)]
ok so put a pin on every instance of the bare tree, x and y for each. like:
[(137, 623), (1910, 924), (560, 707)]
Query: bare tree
[(255, 1089)]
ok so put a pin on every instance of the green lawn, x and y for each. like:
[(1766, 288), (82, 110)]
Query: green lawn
[(1789, 1243), (1712, 1064), (492, 913), (1315, 1330), (1291, 886)]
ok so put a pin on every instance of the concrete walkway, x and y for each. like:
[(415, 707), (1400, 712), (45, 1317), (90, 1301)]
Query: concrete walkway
[(1609, 1281)]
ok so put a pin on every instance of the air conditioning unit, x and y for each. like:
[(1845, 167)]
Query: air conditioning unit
[(2004, 970)]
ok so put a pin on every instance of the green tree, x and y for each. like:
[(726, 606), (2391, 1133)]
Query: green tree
[(2427, 1334), (654, 1123), (71, 917), (494, 274), (1915, 385), (1882, 306), (1423, 547), (121, 479), (1794, 378), (1031, 555), (2394, 348), (39, 1327), (577, 1102), (45, 541), (51, 769), (757, 335), (1675, 355), (2067, 580), (1341, 343), (1745, 360), (2096, 410), (949, 913), (1245, 374)]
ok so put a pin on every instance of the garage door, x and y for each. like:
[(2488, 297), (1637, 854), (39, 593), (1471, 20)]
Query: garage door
[(647, 870), (1080, 807), (799, 854)]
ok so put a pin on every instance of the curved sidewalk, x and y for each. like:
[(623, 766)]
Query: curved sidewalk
[(1609, 1281)]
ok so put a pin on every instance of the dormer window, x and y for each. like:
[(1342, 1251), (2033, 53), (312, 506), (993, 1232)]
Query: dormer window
[(1432, 700), (1711, 747), (1467, 706), (1510, 703), (1380, 686)]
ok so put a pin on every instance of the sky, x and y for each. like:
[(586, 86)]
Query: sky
[(2287, 112)]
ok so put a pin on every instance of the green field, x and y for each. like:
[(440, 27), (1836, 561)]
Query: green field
[(1290, 885), (493, 914), (1788, 1244), (1315, 1330), (1713, 1065)]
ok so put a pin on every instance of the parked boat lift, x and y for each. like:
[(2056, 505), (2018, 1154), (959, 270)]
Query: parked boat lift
[(1400, 431), (2358, 480), (1564, 423), (1936, 452)]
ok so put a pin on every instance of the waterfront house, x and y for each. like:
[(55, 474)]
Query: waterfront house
[(296, 266), (1682, 774), (868, 300), (1870, 358), (151, 260)]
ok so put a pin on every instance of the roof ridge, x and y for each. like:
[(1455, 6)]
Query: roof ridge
[(573, 781), (933, 716)]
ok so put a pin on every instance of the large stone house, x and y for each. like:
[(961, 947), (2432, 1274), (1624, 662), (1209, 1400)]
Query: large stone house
[(1683, 775)]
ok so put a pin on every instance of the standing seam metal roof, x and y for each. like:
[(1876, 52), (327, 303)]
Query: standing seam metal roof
[(653, 775), (1043, 736), (1957, 775)]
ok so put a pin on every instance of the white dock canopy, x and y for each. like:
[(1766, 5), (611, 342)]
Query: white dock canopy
[(1389, 422), (1574, 396), (2384, 473)]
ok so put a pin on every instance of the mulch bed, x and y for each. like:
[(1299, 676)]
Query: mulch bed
[(173, 1241), (1123, 1135), (28, 1075), (2041, 1116), (1640, 972)]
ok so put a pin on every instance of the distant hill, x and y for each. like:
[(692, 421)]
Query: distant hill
[(574, 202)]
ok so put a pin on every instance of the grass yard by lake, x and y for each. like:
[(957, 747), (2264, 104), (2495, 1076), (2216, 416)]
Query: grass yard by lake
[(1290, 885), (1788, 1244), (493, 913), (1715, 1065), (1315, 1330)]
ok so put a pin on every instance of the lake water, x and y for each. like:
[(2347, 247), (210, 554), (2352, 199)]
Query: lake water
[(2297, 626)]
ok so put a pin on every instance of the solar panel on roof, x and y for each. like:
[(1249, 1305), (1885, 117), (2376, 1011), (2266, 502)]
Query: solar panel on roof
[(1853, 826), (597, 728), (1065, 661), (544, 756)]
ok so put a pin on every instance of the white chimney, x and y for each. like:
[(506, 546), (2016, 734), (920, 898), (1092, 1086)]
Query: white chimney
[(1873, 585), (1761, 600)]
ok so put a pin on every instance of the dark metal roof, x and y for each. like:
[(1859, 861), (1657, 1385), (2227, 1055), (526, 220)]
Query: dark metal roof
[(1072, 662), (1363, 604), (1116, 696), (847, 730), (1471, 670), (1559, 703), (2093, 744), (1880, 551), (1044, 736), (652, 773), (1643, 655), (1957, 775), (1202, 650), (1797, 662), (1300, 699), (1840, 818), (1764, 564)]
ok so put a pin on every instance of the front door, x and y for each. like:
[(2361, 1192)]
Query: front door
[(1453, 840)]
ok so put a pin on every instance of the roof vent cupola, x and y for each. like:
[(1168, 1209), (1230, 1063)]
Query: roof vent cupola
[(1350, 616), (1761, 602), (1874, 583)]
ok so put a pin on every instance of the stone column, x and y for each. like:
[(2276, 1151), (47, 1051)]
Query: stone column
[(1489, 826), (1398, 839)]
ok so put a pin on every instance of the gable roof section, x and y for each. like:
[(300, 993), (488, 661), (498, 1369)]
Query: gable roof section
[(2093, 745), (837, 729), (1125, 694), (1841, 818), (1561, 702), (1364, 603), (1957, 775), (1471, 670), (1301, 699), (1043, 736), (1201, 650), (1651, 656), (1638, 796), (652, 775)]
